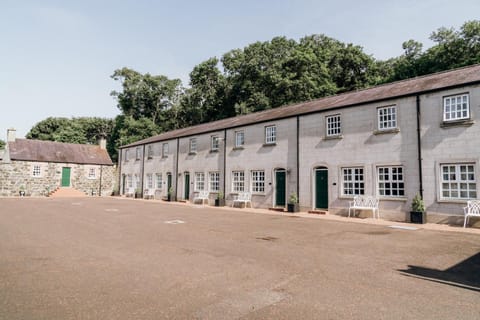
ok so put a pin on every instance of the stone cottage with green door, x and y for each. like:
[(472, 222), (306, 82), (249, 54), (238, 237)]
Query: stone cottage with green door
[(37, 168)]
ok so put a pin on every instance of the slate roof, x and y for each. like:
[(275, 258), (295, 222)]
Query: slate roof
[(419, 85), (49, 151)]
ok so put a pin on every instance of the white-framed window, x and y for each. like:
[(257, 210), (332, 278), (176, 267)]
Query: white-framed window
[(165, 150), (150, 152), (214, 181), (136, 181), (125, 155), (270, 134), (258, 181), (387, 118), (36, 171), (456, 107), (390, 181), (353, 181), (214, 143), (149, 181), (238, 181), (333, 125), (159, 181), (458, 181), (129, 181), (199, 181), (92, 173), (192, 145), (239, 139), (137, 153)]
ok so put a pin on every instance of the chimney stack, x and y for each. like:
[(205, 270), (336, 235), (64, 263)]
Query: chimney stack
[(11, 135), (102, 142)]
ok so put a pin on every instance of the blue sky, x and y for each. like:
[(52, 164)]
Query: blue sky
[(56, 57)]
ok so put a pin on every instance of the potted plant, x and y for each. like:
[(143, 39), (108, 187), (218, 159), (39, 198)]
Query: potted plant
[(418, 214), (170, 194), (292, 204), (138, 193), (220, 200), (22, 191)]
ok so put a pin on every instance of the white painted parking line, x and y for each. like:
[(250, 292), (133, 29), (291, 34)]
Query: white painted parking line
[(403, 227), (174, 221), (76, 203), (111, 210)]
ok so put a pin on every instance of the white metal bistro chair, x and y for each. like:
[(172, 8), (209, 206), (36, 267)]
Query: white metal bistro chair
[(471, 210)]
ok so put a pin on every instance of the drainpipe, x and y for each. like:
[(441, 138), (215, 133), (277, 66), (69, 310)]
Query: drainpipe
[(298, 158), (176, 170), (419, 147), (143, 171), (224, 159), (120, 191), (100, 186)]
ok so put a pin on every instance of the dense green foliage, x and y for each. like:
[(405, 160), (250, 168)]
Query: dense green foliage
[(261, 76), (75, 130), (2, 144), (453, 49)]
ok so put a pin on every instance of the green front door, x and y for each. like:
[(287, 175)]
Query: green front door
[(169, 181), (280, 181), (65, 177), (321, 188), (187, 186)]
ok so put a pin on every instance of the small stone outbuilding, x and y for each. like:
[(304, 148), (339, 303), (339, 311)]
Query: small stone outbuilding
[(37, 168)]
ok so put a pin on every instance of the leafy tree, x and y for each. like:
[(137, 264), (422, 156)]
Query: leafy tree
[(2, 144), (453, 49), (127, 130), (84, 130), (146, 96)]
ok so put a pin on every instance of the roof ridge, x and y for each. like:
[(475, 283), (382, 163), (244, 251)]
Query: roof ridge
[(51, 141)]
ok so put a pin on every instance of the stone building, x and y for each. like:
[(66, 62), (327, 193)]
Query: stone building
[(420, 135), (38, 168)]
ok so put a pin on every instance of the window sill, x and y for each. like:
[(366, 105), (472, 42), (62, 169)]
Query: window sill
[(383, 198), (386, 131), (336, 137), (192, 153), (164, 157), (457, 123), (258, 194), (214, 151), (237, 148), (345, 197), (455, 201), (270, 144), (149, 158)]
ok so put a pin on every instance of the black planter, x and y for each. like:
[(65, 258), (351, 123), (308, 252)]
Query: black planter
[(219, 202), (21, 193), (293, 207), (418, 217)]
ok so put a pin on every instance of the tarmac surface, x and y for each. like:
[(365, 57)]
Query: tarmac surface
[(113, 258)]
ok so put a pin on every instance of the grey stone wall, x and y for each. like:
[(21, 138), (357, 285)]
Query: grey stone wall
[(18, 175)]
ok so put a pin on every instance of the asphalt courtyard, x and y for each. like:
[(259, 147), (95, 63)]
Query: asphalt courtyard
[(110, 258)]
